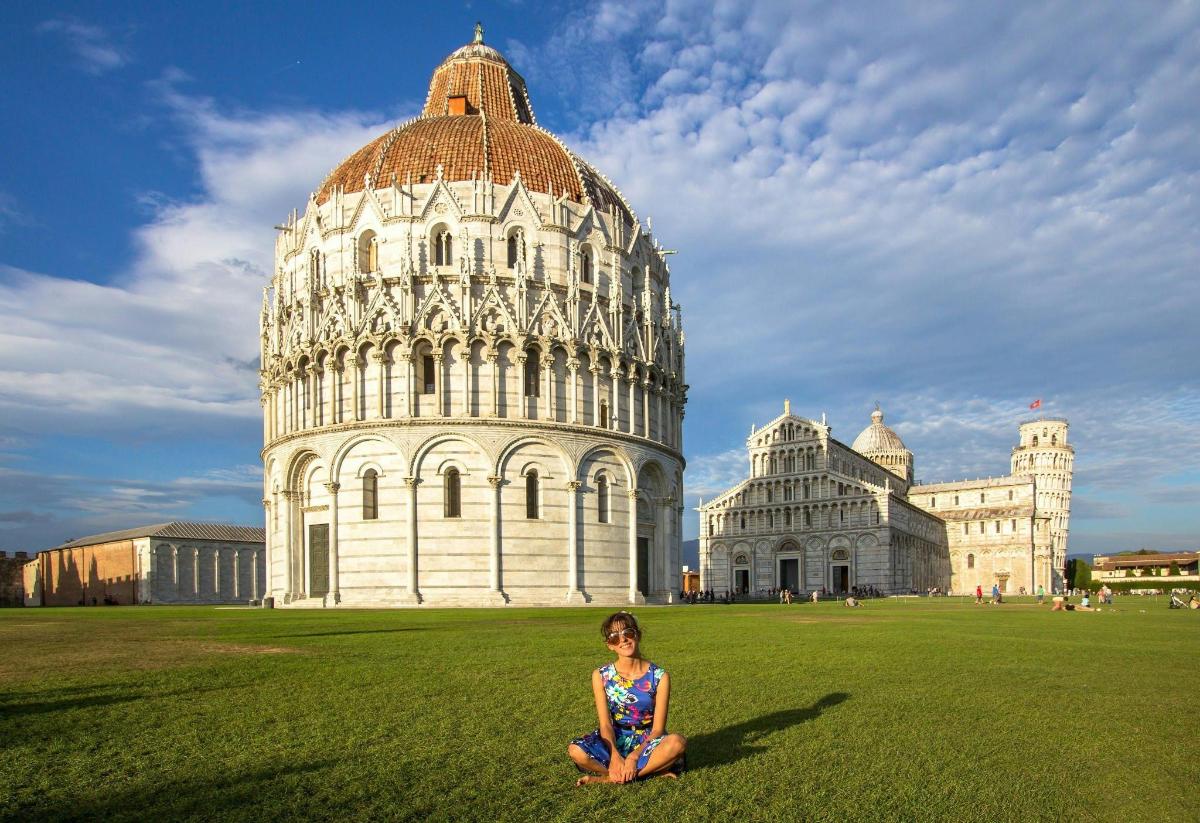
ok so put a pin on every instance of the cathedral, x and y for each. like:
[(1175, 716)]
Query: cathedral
[(472, 373), (818, 514)]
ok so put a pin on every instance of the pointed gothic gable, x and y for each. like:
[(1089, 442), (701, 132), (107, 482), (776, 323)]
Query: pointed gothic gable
[(381, 314), (441, 194), (438, 310), (548, 319), (633, 340), (594, 329), (519, 199), (335, 322), (493, 315)]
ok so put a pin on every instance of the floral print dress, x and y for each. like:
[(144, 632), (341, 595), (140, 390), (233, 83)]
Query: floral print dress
[(631, 707)]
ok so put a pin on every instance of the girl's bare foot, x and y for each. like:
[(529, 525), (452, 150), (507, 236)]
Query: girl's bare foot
[(590, 778)]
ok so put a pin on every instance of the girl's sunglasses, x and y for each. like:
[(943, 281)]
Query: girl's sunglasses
[(616, 637)]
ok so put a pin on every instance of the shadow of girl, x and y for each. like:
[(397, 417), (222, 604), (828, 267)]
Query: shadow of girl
[(732, 743)]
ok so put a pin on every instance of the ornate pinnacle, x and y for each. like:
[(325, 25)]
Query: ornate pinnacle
[(478, 32)]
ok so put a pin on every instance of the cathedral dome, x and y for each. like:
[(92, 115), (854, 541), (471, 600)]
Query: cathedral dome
[(877, 437), (477, 122)]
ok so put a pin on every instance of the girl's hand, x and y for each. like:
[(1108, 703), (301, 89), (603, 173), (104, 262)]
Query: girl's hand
[(616, 768), (630, 768)]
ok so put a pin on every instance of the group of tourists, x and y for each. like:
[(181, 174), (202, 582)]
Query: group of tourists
[(706, 596)]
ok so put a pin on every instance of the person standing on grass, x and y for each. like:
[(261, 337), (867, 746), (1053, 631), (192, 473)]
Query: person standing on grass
[(1041, 594), (632, 697), (978, 594)]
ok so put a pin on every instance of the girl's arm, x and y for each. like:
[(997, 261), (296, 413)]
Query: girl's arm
[(616, 763)]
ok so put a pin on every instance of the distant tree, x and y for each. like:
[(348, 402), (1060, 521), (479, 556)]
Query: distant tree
[(1080, 573), (1145, 551), (1174, 570)]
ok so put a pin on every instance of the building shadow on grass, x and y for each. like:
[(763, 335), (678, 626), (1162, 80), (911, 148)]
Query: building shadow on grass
[(251, 794), (733, 743)]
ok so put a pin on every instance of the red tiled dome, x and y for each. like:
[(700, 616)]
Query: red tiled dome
[(477, 120)]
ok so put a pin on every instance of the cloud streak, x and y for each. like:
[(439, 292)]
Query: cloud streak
[(93, 45)]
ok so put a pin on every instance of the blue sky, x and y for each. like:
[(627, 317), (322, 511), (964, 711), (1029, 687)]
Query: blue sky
[(952, 209)]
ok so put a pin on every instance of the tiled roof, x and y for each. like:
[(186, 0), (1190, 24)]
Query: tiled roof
[(497, 134), (179, 529)]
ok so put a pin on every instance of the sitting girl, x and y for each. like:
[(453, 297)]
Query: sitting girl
[(631, 695)]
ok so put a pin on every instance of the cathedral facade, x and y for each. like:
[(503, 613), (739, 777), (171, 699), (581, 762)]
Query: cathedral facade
[(472, 371), (818, 514)]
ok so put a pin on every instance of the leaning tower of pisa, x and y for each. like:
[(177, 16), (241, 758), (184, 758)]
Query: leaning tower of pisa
[(1045, 455)]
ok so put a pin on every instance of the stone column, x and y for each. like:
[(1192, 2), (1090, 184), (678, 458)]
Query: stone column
[(437, 384), (615, 378), (196, 573), (288, 547), (335, 392), (631, 378), (380, 359), (548, 365), (175, 569), (410, 375), (573, 593), (646, 407), (413, 593), (237, 574), (573, 394), (634, 595), (493, 359), (335, 595), (466, 361), (524, 402), (318, 386), (356, 367), (595, 370), (494, 562)]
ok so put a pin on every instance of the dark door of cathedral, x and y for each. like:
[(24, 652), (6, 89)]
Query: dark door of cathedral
[(742, 583), (318, 560), (789, 574), (841, 579), (643, 565)]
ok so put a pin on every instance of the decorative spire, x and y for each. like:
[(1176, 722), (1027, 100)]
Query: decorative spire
[(478, 32)]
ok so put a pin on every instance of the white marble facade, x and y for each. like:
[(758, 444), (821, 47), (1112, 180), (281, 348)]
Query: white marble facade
[(472, 388), (817, 514)]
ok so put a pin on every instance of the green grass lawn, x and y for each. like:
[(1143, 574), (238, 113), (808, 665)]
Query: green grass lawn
[(917, 710)]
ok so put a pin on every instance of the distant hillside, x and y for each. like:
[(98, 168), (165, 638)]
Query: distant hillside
[(691, 553)]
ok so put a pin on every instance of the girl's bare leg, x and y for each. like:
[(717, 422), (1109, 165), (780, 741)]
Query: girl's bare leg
[(664, 756), (596, 772)]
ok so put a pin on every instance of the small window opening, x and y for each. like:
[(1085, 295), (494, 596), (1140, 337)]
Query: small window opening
[(453, 493), (531, 496), (370, 502)]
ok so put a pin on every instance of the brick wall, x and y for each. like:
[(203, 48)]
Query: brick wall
[(12, 585), (89, 574)]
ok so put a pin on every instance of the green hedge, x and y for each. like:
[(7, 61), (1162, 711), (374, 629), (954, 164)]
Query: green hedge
[(1147, 583)]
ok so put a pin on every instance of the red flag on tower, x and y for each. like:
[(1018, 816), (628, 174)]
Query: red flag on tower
[(1036, 404)]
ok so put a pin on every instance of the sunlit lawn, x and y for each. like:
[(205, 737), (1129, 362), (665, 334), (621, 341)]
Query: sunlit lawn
[(911, 710)]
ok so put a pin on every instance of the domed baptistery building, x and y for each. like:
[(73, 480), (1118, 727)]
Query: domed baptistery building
[(472, 371)]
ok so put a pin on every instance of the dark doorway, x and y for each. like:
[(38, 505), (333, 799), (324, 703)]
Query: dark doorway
[(789, 574), (318, 560), (841, 579), (742, 581), (643, 560)]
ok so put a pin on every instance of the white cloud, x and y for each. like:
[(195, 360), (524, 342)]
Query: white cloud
[(93, 45), (171, 339)]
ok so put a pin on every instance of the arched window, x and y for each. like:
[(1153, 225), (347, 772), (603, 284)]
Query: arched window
[(516, 248), (370, 510), (368, 252), (602, 499), (603, 414), (442, 249), (585, 265), (315, 269), (1035, 440), (453, 493), (970, 561), (1054, 440), (787, 517), (531, 496)]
